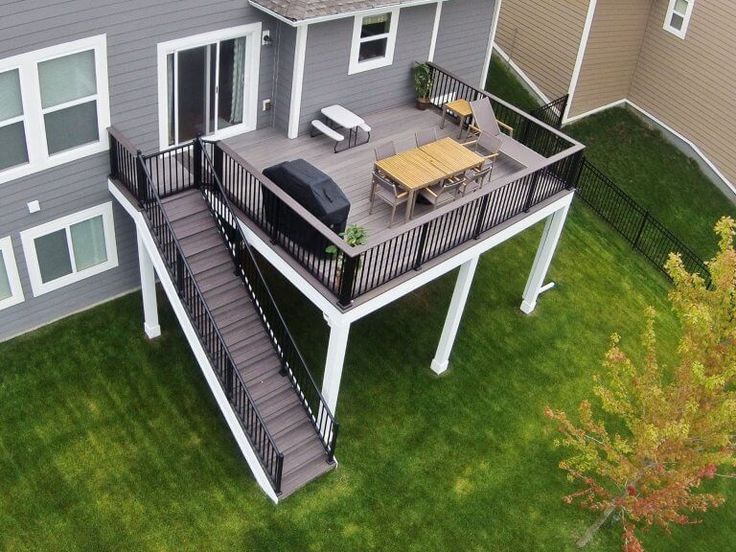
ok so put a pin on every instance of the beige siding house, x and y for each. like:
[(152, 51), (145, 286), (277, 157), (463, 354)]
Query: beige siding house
[(671, 60)]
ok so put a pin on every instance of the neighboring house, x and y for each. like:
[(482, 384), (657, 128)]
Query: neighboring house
[(85, 217), (671, 60)]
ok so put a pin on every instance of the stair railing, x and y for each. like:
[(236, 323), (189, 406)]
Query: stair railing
[(246, 266), (132, 170)]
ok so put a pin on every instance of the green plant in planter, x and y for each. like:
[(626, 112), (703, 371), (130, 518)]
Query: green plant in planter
[(353, 235), (422, 84)]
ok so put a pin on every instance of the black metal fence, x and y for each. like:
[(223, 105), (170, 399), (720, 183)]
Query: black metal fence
[(635, 223), (552, 112)]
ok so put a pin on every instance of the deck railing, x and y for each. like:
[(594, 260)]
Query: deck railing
[(293, 364), (130, 167), (552, 112), (354, 272)]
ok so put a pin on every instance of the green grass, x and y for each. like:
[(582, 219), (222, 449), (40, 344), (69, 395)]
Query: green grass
[(112, 442), (503, 83), (656, 174)]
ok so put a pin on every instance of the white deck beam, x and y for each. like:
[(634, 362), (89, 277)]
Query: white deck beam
[(454, 315), (338, 344), (550, 238), (148, 290)]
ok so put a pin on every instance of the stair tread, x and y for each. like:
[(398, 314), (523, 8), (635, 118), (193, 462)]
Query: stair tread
[(304, 475), (305, 452)]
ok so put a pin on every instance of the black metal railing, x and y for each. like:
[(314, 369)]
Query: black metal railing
[(141, 184), (210, 157), (635, 223), (533, 133), (552, 112)]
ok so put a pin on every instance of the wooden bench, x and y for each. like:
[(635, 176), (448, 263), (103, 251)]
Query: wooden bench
[(321, 127)]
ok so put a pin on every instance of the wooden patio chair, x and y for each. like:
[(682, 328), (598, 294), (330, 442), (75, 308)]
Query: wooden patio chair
[(426, 136), (387, 191)]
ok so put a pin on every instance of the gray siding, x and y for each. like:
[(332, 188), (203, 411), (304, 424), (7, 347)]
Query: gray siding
[(284, 74), (326, 79), (133, 29), (462, 41)]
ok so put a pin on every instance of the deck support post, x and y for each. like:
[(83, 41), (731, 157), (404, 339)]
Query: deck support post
[(454, 315), (550, 238), (336, 348), (148, 291)]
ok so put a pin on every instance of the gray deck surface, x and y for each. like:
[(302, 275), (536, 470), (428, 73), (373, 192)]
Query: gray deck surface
[(352, 169)]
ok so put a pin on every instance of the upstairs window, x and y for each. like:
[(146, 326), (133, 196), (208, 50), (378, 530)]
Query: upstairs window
[(53, 106), (374, 40), (678, 17)]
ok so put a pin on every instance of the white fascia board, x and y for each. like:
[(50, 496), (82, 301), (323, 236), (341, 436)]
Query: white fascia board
[(330, 310), (519, 71), (491, 40), (580, 57), (332, 17)]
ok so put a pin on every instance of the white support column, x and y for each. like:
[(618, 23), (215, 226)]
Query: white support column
[(550, 238), (454, 315), (297, 80), (338, 344), (148, 290)]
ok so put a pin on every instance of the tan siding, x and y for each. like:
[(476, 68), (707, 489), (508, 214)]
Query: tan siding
[(543, 39), (690, 84), (616, 36)]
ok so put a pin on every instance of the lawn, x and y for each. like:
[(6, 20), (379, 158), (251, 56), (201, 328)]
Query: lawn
[(113, 442), (642, 162)]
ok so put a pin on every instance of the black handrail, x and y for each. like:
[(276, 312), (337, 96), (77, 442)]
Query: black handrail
[(293, 364), (140, 183)]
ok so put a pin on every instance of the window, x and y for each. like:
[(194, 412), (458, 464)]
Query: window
[(678, 17), (53, 106), (11, 292), (374, 40), (70, 249)]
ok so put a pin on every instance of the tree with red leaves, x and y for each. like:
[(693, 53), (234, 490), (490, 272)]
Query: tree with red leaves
[(676, 426)]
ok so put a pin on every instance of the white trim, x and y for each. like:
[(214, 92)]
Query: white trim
[(685, 18), (435, 31), (335, 361), (579, 59), (297, 80), (27, 238), (519, 71), (574, 118), (193, 339), (489, 50), (390, 37), (27, 65), (345, 15), (669, 129), (252, 34), (151, 324), (11, 270)]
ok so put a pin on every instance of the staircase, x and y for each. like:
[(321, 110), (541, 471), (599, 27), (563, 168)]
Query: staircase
[(269, 388)]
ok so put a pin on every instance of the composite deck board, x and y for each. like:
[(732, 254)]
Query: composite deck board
[(247, 340)]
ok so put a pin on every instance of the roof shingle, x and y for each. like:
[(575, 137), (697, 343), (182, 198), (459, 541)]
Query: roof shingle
[(299, 10)]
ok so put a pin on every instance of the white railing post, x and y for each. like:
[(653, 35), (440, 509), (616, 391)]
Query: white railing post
[(454, 315)]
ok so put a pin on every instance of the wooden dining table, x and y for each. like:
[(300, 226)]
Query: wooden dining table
[(425, 166)]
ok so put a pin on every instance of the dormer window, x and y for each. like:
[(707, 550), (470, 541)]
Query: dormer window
[(678, 17), (374, 40)]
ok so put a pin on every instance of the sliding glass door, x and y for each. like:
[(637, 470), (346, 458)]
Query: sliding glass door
[(207, 88)]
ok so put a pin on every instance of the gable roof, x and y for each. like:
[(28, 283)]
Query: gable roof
[(300, 10)]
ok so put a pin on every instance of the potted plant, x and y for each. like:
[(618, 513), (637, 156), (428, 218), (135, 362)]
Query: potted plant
[(353, 235), (422, 85)]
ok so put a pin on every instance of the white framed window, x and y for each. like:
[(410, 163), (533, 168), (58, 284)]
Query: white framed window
[(374, 41), (678, 17), (70, 249), (54, 106), (11, 292), (208, 84)]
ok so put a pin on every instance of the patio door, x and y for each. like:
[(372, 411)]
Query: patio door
[(211, 88)]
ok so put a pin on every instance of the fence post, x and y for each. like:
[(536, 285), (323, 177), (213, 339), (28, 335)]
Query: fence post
[(180, 274), (218, 161), (197, 162), (114, 166), (349, 270), (141, 180), (641, 229), (532, 190), (481, 215), (420, 248)]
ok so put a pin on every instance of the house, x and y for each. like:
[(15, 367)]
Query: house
[(671, 61), (133, 136)]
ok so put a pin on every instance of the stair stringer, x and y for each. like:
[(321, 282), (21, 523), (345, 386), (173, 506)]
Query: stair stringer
[(191, 335)]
